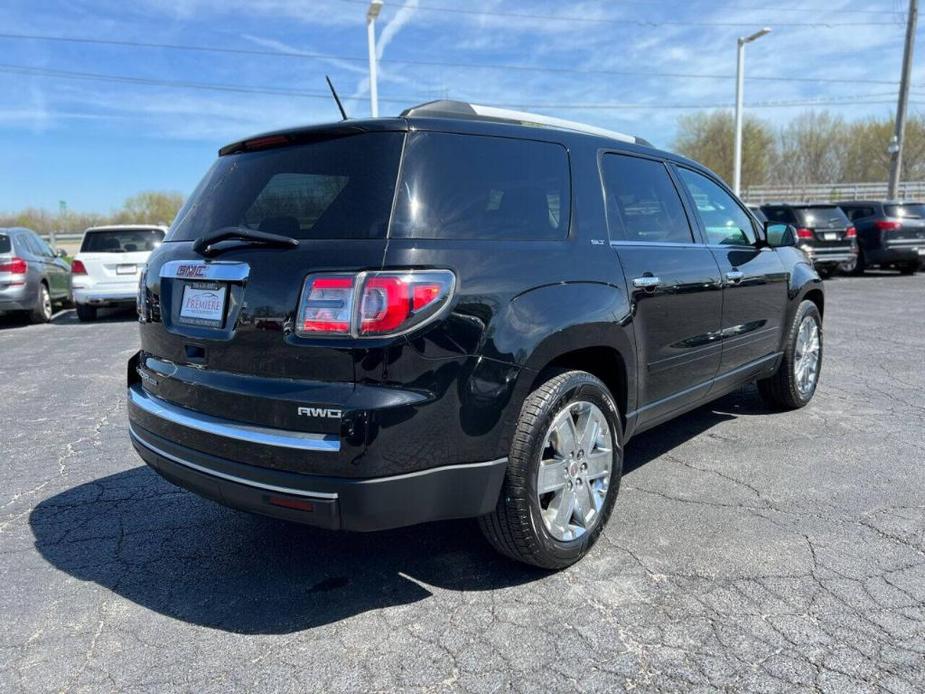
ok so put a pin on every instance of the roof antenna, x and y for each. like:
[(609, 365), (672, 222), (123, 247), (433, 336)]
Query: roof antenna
[(340, 106)]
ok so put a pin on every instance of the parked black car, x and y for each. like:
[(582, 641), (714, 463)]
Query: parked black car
[(33, 277), (824, 233), (890, 234), (459, 312)]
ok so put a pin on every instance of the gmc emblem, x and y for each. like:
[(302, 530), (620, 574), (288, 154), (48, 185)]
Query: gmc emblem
[(326, 412), (191, 271)]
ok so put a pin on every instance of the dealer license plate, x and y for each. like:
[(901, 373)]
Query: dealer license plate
[(203, 304)]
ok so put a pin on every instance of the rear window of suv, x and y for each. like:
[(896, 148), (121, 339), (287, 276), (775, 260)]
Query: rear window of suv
[(916, 211), (333, 189), (476, 187), (121, 240), (821, 217)]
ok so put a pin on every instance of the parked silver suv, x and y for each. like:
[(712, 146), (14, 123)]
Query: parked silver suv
[(32, 276)]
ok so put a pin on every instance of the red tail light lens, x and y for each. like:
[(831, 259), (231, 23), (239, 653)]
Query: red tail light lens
[(851, 233), (327, 304), (15, 266), (888, 226), (387, 303), (77, 268), (803, 233)]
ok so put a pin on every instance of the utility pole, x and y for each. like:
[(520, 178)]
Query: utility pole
[(896, 146), (375, 7), (740, 98)]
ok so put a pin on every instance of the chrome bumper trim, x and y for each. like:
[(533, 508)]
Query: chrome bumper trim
[(298, 440), (225, 476)]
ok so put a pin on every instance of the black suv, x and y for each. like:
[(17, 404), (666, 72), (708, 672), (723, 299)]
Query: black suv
[(454, 313), (824, 233), (890, 234)]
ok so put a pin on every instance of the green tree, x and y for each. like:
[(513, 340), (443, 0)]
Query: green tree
[(708, 139), (150, 207)]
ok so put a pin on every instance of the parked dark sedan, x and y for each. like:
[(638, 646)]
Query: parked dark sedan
[(32, 275), (824, 233), (890, 234)]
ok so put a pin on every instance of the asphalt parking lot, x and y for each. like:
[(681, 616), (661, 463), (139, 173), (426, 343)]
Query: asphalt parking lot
[(749, 550)]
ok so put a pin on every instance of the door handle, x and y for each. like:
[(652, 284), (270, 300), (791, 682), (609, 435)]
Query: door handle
[(734, 276), (646, 282)]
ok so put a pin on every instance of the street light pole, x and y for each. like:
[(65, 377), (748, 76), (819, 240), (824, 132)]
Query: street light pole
[(896, 144), (740, 97), (375, 7)]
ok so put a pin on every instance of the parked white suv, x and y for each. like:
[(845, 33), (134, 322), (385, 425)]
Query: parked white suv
[(105, 271)]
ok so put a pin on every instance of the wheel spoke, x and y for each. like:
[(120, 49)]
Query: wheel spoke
[(599, 463), (589, 429), (584, 506), (564, 501), (552, 476), (565, 436)]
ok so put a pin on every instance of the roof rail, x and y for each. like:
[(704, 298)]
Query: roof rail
[(445, 108)]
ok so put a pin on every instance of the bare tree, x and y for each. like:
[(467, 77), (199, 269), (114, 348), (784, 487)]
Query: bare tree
[(707, 138)]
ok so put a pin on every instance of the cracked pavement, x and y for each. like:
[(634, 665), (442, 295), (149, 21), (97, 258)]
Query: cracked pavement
[(748, 550)]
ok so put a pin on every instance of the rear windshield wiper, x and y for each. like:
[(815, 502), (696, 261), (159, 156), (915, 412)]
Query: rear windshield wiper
[(251, 237)]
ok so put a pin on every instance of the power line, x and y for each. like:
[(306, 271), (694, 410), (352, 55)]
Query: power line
[(623, 20), (426, 63), (408, 100)]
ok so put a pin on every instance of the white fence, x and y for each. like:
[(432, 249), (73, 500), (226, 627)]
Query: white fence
[(913, 190)]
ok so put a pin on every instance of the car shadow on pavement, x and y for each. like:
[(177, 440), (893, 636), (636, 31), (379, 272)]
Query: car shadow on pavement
[(651, 444), (173, 552)]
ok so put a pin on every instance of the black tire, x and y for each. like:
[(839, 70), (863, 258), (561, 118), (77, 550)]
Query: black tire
[(908, 268), (43, 310), (861, 264), (86, 313), (781, 390), (515, 528), (826, 271)]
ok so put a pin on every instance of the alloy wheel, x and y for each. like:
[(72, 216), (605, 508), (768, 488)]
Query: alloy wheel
[(806, 356), (574, 470)]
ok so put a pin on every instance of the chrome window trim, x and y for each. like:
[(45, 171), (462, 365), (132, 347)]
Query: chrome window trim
[(222, 270), (279, 438), (225, 476)]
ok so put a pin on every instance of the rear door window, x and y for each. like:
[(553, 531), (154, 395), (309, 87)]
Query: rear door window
[(5, 245), (643, 204), (475, 187), (779, 214), (121, 241), (723, 219), (340, 188)]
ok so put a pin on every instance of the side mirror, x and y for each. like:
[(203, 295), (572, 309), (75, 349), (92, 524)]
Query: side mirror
[(60, 253), (779, 235)]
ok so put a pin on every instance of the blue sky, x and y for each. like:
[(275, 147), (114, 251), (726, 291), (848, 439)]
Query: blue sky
[(628, 65)]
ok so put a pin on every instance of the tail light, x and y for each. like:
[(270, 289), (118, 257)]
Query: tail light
[(851, 233), (78, 268), (14, 265), (804, 233), (372, 304), (887, 226)]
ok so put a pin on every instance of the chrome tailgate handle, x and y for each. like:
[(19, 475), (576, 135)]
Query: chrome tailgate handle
[(646, 282)]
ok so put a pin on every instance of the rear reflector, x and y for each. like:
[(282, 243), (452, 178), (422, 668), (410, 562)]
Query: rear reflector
[(77, 268), (851, 233), (296, 504), (15, 266), (888, 226), (803, 233), (386, 303)]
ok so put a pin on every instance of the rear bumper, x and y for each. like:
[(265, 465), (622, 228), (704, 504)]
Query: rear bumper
[(900, 251), (17, 297), (105, 296), (337, 503), (831, 255)]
